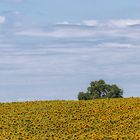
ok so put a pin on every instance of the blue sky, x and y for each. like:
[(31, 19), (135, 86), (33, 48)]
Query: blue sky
[(52, 49)]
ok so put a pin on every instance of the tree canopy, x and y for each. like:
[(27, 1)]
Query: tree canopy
[(100, 89)]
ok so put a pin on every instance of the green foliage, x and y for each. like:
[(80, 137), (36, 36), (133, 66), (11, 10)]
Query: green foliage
[(99, 89), (84, 96)]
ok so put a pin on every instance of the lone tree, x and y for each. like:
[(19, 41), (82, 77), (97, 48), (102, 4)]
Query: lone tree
[(99, 89)]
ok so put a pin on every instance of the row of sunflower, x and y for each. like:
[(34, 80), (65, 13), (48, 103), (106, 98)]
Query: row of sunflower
[(103, 119)]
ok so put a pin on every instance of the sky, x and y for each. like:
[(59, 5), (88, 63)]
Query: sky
[(51, 50)]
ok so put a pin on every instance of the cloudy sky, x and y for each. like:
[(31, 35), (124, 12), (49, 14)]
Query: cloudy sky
[(52, 49)]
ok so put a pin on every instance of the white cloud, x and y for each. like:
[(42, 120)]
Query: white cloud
[(110, 23), (58, 33), (90, 22), (81, 53), (123, 22), (63, 23), (2, 19), (66, 31), (118, 30), (86, 28), (33, 32), (116, 45)]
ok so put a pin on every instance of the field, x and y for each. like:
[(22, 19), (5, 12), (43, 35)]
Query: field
[(103, 119)]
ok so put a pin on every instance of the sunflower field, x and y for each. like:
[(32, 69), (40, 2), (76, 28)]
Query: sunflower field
[(102, 119)]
